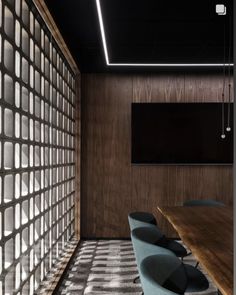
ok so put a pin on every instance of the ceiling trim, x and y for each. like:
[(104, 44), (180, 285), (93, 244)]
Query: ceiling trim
[(108, 63)]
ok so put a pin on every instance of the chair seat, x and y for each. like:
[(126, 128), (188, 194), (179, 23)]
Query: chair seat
[(173, 246), (196, 279)]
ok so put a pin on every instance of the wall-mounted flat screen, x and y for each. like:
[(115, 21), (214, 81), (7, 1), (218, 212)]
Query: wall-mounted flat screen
[(181, 133)]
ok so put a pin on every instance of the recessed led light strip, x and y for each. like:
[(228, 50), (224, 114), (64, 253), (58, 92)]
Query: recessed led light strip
[(104, 42)]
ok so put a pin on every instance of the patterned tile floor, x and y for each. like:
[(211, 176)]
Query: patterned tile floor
[(107, 267)]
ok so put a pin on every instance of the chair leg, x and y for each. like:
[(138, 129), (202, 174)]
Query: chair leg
[(136, 280)]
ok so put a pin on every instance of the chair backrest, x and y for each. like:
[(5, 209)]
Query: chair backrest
[(209, 203), (141, 219), (144, 239), (163, 275)]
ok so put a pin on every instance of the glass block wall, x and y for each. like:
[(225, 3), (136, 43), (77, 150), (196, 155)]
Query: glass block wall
[(37, 149)]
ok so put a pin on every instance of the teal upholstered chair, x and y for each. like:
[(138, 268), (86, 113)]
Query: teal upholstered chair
[(167, 275), (141, 219), (143, 240), (160, 239), (208, 203), (144, 236)]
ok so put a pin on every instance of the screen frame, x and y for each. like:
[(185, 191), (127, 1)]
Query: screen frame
[(179, 163)]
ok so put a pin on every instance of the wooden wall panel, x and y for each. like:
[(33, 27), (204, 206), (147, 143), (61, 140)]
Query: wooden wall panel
[(111, 186), (106, 179)]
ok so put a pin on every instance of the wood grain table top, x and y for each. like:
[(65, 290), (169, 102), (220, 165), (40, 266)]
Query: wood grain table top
[(208, 233)]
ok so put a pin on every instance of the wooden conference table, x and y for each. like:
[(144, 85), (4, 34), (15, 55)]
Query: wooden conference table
[(208, 233)]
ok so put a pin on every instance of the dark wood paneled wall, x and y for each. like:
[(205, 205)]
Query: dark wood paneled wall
[(111, 186)]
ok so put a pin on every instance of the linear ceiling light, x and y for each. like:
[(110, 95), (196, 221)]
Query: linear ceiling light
[(104, 42)]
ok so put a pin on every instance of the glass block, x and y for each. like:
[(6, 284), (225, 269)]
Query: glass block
[(31, 156), (24, 212), (42, 86), (42, 156), (17, 7), (8, 221), (24, 184), (36, 236), (8, 122), (42, 132), (25, 272), (32, 50), (31, 235), (37, 31), (8, 155), (31, 103), (37, 156), (8, 188), (37, 82), (25, 70), (37, 106), (31, 76), (42, 62), (46, 133), (42, 38), (47, 46), (17, 125), (25, 42), (46, 112), (37, 181), (0, 14), (25, 99), (37, 131), (8, 56), (9, 283), (8, 89), (37, 278), (25, 13), (17, 155), (24, 156), (47, 70), (17, 244), (31, 188), (37, 205), (17, 32), (37, 56), (9, 23), (24, 127), (31, 23), (42, 179), (0, 73), (17, 186), (17, 94), (17, 276), (25, 240)]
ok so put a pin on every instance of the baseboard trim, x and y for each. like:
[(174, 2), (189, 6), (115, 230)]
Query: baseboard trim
[(55, 277), (105, 238), (115, 239)]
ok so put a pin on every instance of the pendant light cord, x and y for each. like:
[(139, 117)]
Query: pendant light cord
[(223, 93), (229, 78)]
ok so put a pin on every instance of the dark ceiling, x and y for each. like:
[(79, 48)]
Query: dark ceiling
[(151, 31)]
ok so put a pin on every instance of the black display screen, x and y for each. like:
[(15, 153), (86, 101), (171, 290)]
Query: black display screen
[(181, 133)]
